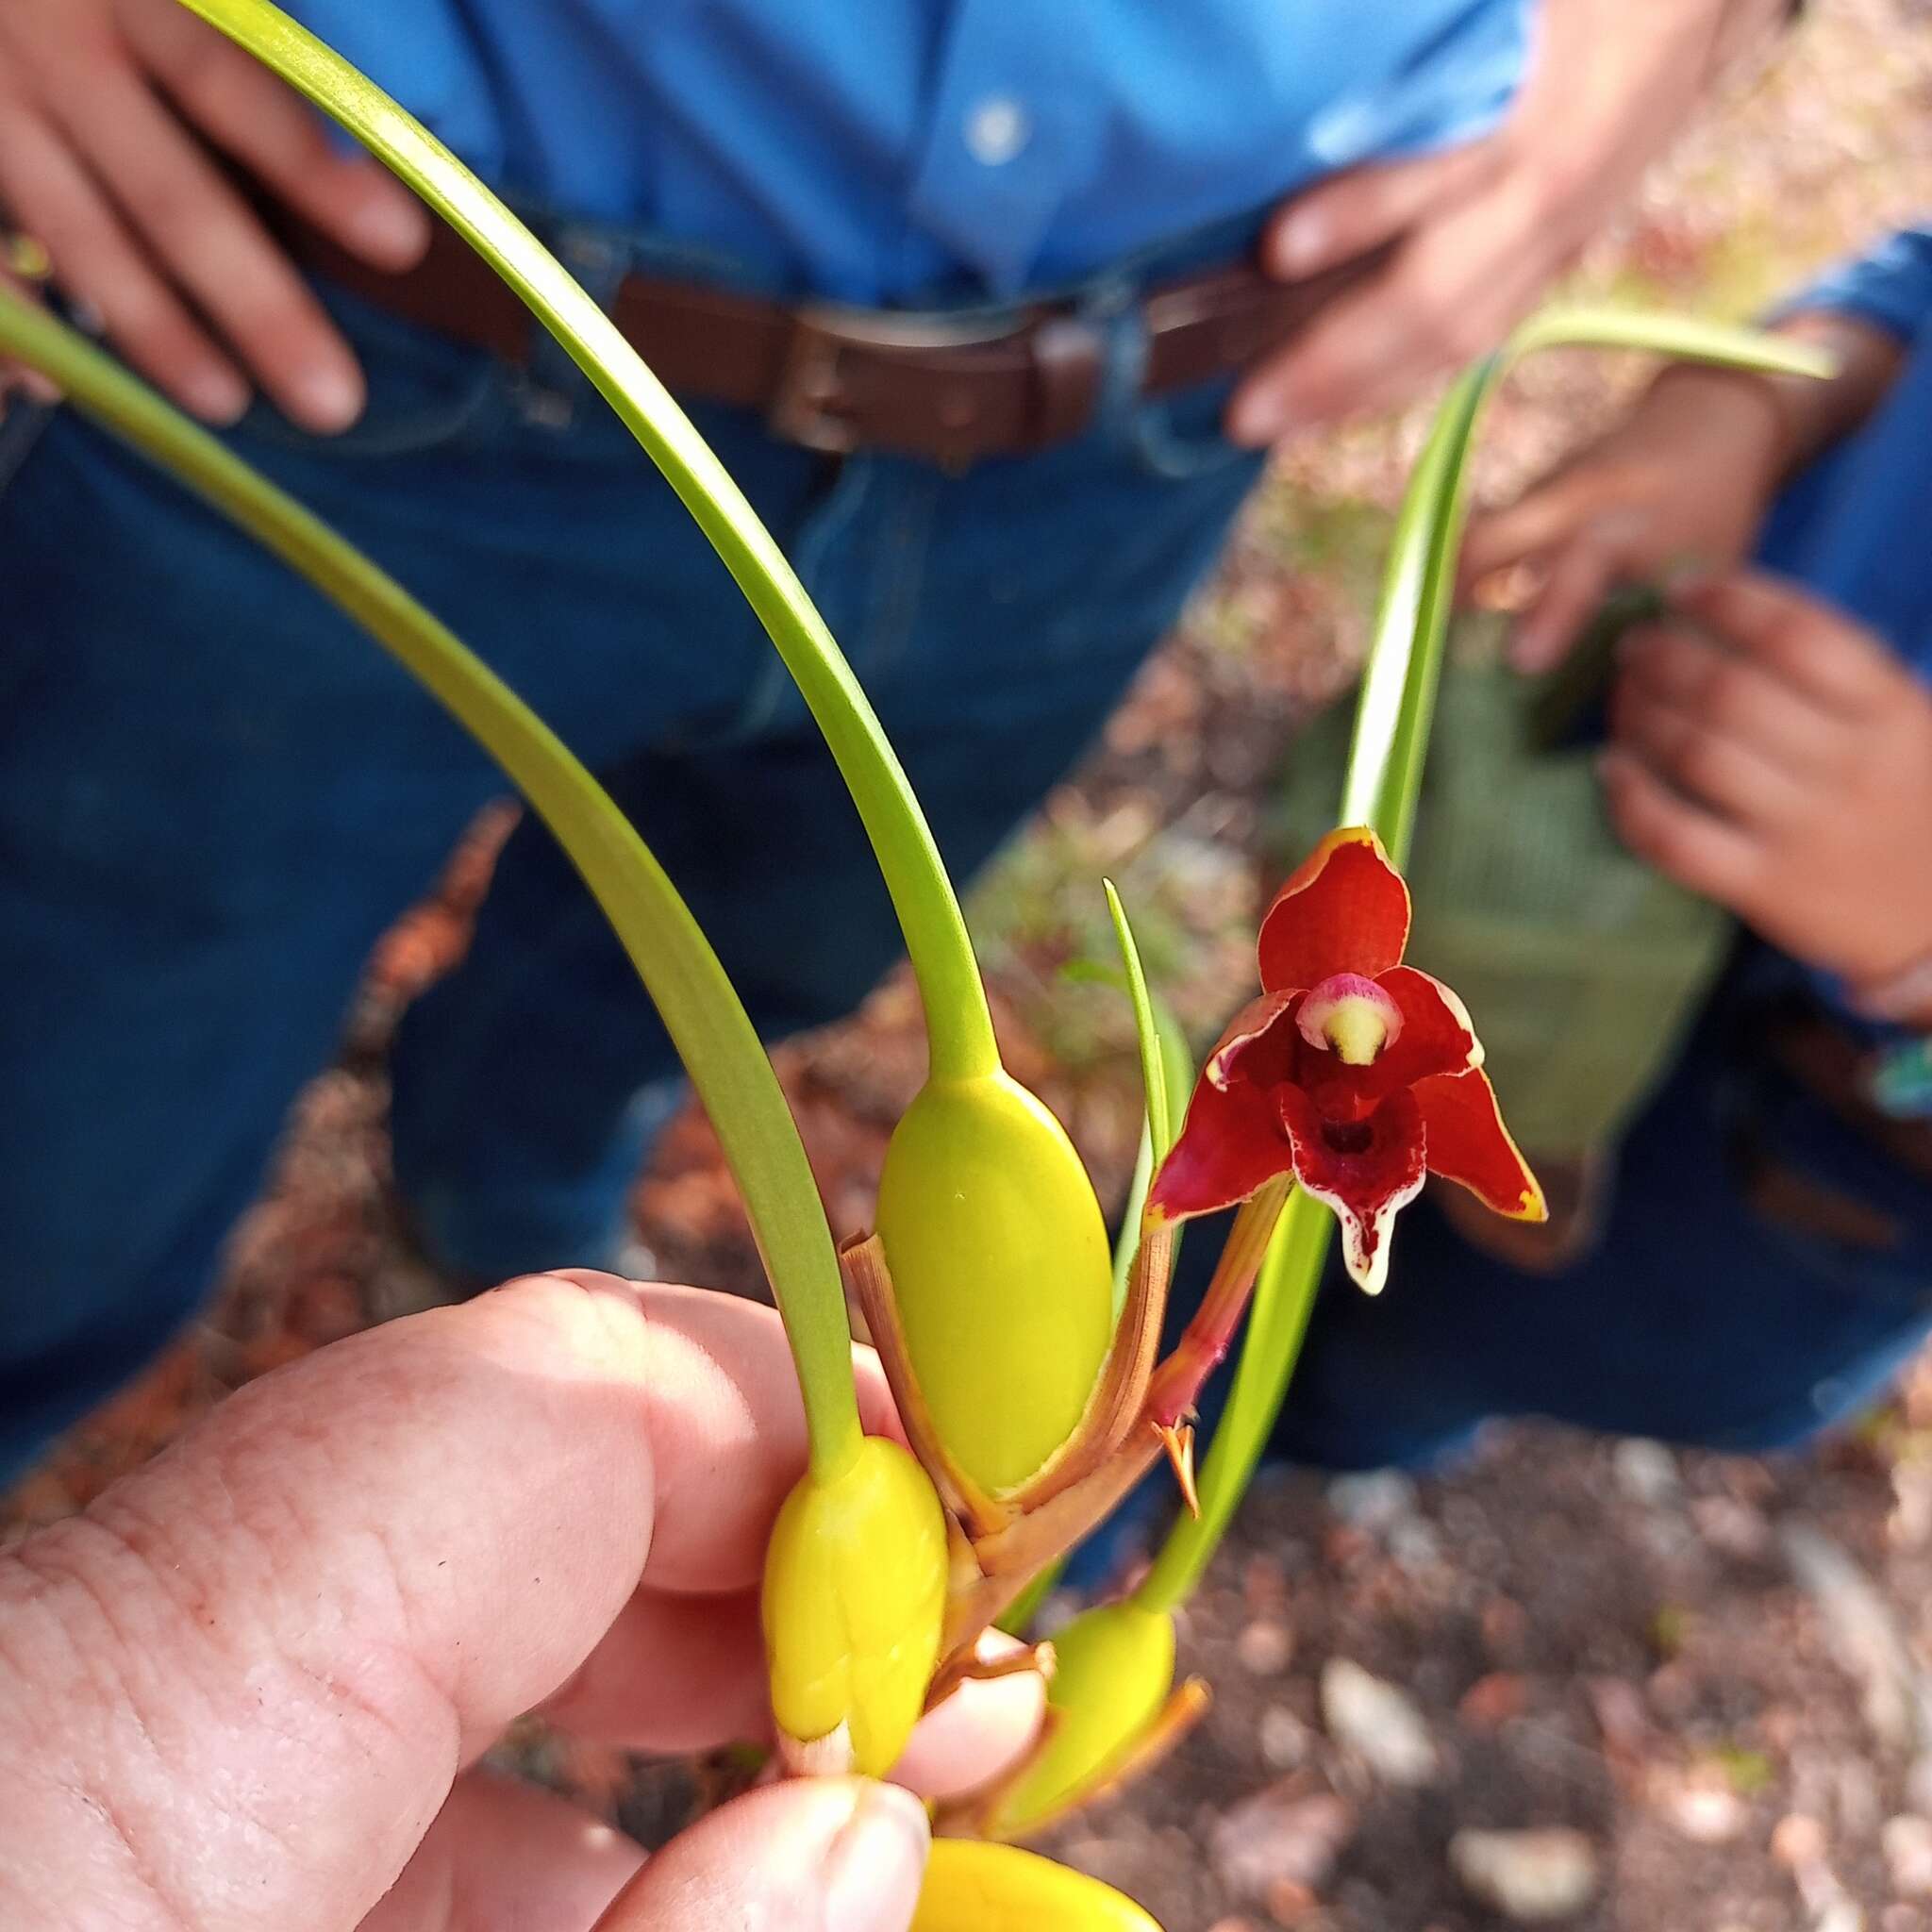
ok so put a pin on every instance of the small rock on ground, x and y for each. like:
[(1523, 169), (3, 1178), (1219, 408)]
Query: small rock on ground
[(1907, 1846), (1532, 1877), (1281, 1837), (1378, 1723), (1265, 1647), (1376, 1500), (1647, 1472)]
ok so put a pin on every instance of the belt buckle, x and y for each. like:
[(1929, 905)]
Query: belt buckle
[(811, 406)]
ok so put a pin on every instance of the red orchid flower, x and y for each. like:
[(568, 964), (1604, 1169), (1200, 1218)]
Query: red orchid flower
[(1354, 1073)]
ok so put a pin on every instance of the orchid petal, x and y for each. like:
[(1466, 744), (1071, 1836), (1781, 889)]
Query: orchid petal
[(1231, 1146), (1436, 1037), (1251, 1034), (1345, 909), (1365, 1184), (1467, 1142)]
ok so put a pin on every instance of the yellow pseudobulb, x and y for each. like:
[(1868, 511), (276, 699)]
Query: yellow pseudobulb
[(1113, 1676), (972, 1887), (1000, 1270), (854, 1593)]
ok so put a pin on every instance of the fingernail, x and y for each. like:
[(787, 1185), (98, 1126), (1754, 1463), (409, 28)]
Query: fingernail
[(389, 225), (1301, 244), (875, 1865), (326, 397), (215, 394)]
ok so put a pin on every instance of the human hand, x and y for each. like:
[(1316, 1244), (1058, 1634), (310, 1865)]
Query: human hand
[(1481, 228), (1772, 755), (103, 108), (245, 1689), (1684, 479)]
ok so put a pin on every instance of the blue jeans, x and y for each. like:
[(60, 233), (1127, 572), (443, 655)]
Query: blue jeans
[(215, 793)]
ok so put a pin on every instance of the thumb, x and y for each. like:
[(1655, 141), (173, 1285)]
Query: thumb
[(813, 1855)]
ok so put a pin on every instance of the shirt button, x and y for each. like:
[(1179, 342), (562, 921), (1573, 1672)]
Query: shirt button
[(996, 131)]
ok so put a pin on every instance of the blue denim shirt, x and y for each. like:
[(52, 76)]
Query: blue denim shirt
[(1852, 527), (877, 151)]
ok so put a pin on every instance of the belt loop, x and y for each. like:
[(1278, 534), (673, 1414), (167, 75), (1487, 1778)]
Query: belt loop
[(553, 383), (23, 418), (1112, 308)]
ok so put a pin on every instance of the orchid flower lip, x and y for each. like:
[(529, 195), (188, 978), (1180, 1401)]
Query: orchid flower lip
[(1348, 1137)]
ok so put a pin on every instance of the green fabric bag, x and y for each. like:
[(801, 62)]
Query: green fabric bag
[(1581, 966)]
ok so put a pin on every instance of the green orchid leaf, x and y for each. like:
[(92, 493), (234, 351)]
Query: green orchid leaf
[(1167, 1079), (1684, 338), (1177, 1071), (700, 1008), (1404, 657), (1127, 1241), (1166, 1073), (1176, 1060), (959, 1023), (1167, 1082), (1147, 1032), (1404, 661)]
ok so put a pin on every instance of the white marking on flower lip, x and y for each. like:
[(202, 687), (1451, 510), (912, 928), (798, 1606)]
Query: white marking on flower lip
[(1365, 1238), (1352, 1017)]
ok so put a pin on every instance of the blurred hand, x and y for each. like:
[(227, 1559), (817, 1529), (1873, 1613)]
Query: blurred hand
[(1772, 755), (245, 1689), (1684, 479), (1482, 229), (104, 108)]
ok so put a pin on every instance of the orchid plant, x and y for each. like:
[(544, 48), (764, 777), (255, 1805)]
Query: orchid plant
[(1030, 1405)]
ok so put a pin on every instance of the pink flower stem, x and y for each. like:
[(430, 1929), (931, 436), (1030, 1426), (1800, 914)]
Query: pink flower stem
[(1179, 1380)]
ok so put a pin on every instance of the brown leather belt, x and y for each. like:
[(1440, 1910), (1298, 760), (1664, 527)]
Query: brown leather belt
[(1824, 1059), (1834, 1067), (954, 388)]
